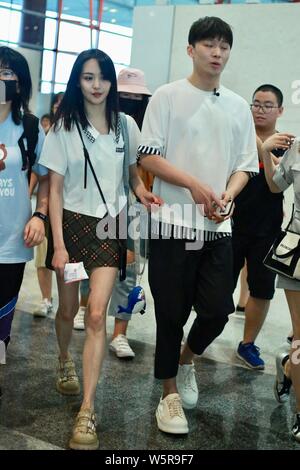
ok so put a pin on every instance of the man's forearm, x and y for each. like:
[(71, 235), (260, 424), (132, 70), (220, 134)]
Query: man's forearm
[(164, 170)]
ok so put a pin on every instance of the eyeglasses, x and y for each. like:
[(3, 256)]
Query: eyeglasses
[(7, 74), (266, 108)]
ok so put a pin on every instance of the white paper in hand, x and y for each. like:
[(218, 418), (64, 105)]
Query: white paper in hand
[(74, 272)]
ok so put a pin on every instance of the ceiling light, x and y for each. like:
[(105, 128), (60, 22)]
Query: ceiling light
[(113, 10)]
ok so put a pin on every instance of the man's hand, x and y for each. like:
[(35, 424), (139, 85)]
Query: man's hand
[(34, 232), (147, 198), (281, 140), (204, 195), (226, 198), (60, 258)]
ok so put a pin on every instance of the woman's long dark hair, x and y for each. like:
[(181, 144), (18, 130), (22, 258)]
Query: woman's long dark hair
[(71, 108), (13, 60), (57, 98)]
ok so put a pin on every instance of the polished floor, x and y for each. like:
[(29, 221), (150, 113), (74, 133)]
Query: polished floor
[(236, 408)]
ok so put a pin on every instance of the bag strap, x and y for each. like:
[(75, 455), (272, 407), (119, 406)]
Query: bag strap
[(290, 253), (291, 219), (126, 162), (88, 161)]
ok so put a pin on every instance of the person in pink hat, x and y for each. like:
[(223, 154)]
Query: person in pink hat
[(133, 100)]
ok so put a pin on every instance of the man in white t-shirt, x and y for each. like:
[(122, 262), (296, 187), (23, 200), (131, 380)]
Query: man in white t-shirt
[(198, 139)]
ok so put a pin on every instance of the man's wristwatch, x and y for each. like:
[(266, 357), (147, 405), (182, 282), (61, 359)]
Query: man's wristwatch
[(40, 215)]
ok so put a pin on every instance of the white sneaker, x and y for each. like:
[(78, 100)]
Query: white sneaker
[(44, 308), (79, 319), (119, 345), (170, 416), (187, 385)]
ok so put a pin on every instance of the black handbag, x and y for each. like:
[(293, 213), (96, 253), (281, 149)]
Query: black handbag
[(284, 256)]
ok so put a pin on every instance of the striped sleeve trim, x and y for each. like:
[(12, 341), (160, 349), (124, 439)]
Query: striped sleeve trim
[(146, 150), (164, 230), (252, 174)]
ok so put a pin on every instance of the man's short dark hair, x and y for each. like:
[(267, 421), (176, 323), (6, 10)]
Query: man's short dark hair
[(210, 27), (273, 89)]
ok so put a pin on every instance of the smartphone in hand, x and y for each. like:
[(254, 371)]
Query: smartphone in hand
[(227, 209)]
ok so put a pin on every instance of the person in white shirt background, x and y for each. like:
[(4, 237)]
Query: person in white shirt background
[(87, 114)]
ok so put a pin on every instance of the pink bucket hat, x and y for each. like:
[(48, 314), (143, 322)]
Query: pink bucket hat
[(132, 81)]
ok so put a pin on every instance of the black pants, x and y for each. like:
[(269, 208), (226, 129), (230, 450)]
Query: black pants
[(180, 279), (11, 277)]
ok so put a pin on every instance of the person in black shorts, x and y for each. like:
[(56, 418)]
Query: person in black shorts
[(257, 220)]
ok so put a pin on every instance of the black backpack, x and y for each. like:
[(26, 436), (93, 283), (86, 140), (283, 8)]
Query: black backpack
[(31, 134)]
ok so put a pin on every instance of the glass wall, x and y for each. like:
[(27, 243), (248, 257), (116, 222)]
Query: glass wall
[(63, 28)]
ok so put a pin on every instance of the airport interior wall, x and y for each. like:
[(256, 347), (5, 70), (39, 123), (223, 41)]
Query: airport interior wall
[(265, 48)]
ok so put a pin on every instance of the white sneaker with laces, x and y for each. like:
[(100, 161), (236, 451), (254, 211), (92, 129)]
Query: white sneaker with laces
[(170, 416), (44, 308), (79, 319), (187, 385), (120, 346)]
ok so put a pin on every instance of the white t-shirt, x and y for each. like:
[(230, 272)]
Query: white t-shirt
[(63, 153), (207, 136), (15, 206)]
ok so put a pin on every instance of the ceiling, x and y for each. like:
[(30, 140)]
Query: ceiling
[(118, 12)]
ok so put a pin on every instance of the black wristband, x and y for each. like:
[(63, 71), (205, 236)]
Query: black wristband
[(40, 215)]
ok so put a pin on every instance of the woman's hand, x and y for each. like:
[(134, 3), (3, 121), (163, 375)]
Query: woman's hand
[(60, 258), (34, 232), (281, 140)]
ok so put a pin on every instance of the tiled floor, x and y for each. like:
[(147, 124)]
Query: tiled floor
[(236, 409)]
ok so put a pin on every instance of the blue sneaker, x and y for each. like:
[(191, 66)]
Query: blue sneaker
[(249, 354)]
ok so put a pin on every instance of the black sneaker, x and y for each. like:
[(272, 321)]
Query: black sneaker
[(296, 428), (282, 385)]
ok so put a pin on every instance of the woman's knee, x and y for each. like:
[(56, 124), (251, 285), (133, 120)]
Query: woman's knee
[(96, 319), (67, 312)]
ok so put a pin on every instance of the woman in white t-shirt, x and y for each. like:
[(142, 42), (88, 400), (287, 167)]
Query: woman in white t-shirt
[(88, 124), (19, 230)]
